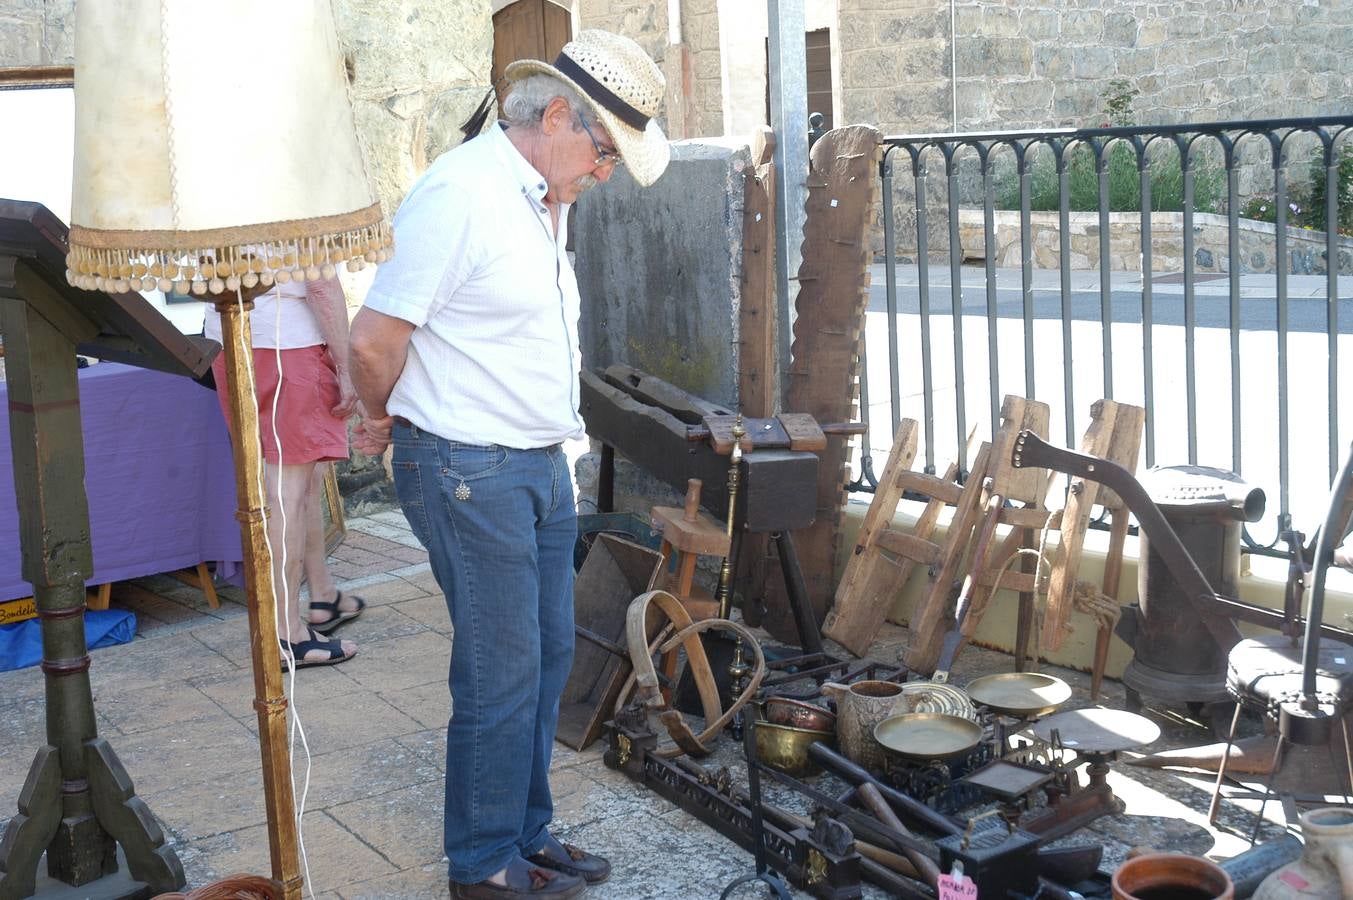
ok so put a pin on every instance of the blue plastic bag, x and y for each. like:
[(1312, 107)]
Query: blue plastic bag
[(21, 643)]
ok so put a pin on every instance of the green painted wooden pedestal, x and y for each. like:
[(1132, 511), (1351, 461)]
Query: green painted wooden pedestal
[(78, 803)]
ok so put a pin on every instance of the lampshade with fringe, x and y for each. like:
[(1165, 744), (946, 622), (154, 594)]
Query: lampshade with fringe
[(209, 155)]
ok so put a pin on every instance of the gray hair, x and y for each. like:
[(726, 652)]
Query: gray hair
[(526, 100)]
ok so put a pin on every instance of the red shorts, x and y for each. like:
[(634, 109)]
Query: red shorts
[(309, 432)]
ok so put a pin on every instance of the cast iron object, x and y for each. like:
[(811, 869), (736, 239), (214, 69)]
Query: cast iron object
[(824, 869), (920, 737), (1249, 869), (1213, 608), (1002, 862), (909, 809), (1008, 781), (1172, 656), (763, 874), (1096, 736), (1216, 610), (1025, 695)]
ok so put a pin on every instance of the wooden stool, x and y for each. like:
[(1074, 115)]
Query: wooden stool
[(690, 534)]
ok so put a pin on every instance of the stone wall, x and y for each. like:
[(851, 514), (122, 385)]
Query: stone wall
[(1037, 63), (694, 103), (1306, 250)]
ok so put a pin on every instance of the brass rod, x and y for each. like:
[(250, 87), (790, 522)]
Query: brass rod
[(30, 77), (734, 478), (269, 699)]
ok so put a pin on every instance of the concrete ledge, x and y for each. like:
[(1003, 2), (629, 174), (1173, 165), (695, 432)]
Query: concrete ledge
[(1262, 583), (1306, 249)]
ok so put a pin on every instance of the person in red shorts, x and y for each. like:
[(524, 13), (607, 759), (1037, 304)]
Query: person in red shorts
[(303, 409)]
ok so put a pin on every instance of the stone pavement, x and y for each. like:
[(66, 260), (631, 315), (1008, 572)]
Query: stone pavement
[(176, 706)]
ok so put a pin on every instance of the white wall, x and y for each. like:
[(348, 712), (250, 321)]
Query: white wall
[(742, 52)]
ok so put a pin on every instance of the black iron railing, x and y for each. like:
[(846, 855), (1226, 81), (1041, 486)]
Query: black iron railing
[(974, 168)]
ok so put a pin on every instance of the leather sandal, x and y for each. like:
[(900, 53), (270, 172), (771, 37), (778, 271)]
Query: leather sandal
[(523, 880), (298, 651), (336, 616), (570, 860)]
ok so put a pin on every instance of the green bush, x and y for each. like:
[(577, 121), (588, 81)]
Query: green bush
[(1167, 177), (1315, 208), (1167, 182), (1306, 202)]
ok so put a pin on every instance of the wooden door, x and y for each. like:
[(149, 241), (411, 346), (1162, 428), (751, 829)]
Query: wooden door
[(817, 47), (818, 50), (528, 29)]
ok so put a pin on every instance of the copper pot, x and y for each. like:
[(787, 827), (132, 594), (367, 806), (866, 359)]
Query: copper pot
[(798, 714)]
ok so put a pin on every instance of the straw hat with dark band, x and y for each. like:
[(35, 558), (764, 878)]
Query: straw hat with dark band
[(624, 90)]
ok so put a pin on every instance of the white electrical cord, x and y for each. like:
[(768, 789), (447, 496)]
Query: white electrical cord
[(296, 728)]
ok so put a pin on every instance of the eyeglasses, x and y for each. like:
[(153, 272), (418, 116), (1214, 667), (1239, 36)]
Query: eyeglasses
[(604, 157)]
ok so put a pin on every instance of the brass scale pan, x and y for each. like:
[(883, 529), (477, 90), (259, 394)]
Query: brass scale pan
[(926, 735)]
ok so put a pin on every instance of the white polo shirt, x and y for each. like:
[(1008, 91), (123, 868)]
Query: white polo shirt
[(487, 284)]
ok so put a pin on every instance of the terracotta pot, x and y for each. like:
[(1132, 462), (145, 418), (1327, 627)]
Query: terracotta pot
[(1325, 868), (1171, 876), (859, 707)]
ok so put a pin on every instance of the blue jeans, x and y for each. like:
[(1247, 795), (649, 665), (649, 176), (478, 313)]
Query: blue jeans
[(503, 558)]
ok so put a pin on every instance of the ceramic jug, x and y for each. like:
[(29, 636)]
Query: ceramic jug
[(1325, 868), (859, 707)]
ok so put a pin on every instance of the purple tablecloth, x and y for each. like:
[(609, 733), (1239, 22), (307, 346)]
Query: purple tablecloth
[(157, 471)]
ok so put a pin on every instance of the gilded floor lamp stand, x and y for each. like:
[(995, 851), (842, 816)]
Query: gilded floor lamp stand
[(269, 699), (78, 803)]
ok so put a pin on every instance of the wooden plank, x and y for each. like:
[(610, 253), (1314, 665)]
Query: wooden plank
[(758, 347), (803, 431), (833, 292), (945, 489), (757, 383), (934, 613), (1005, 483), (1029, 485), (867, 586), (614, 572), (909, 545), (1113, 570), (1114, 433), (759, 434)]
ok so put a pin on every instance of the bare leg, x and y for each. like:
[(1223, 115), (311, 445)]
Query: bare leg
[(322, 587), (317, 575), (292, 505)]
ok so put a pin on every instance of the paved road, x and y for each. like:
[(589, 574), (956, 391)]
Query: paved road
[(1306, 297), (1307, 406)]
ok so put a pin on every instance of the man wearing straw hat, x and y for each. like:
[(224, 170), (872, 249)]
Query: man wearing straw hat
[(465, 356)]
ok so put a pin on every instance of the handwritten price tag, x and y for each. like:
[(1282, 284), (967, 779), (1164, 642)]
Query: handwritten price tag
[(957, 887)]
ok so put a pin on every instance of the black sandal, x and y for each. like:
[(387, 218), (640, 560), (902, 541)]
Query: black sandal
[(336, 616), (301, 649)]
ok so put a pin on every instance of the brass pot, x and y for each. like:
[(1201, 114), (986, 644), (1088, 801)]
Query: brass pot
[(798, 714), (785, 747)]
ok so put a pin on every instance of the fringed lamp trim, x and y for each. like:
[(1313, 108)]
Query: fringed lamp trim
[(216, 260)]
